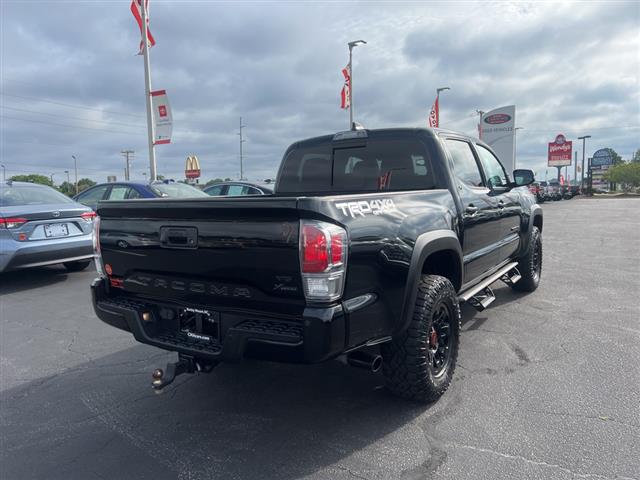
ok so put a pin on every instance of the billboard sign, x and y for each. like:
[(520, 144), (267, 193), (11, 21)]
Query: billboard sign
[(560, 151), (602, 158), (192, 167), (497, 130), (162, 117)]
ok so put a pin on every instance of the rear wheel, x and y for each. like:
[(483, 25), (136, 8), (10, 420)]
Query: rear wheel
[(530, 264), (77, 266), (419, 363)]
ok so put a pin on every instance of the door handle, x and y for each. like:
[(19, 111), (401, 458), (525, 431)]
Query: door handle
[(500, 204), (471, 209)]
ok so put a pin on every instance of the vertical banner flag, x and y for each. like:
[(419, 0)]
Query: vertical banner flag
[(345, 94), (434, 115), (497, 128), (136, 9), (161, 117)]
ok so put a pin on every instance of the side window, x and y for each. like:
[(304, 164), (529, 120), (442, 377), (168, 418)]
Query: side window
[(253, 191), (236, 190), (464, 162), (493, 169), (217, 190), (93, 196), (133, 193), (118, 192)]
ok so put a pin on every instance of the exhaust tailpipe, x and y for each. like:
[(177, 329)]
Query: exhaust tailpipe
[(366, 360)]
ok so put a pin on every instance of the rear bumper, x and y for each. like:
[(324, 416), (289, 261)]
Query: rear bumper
[(16, 255), (318, 335)]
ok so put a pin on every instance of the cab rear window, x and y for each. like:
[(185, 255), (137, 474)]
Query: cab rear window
[(381, 165)]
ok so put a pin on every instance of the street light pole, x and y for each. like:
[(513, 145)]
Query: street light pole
[(583, 149), (51, 178), (4, 173), (351, 46), (515, 145), (438, 90), (75, 167), (480, 114), (67, 172)]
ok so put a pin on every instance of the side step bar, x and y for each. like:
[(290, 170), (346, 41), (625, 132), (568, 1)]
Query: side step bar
[(483, 293)]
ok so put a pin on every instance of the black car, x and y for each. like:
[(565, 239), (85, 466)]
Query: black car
[(237, 189), (369, 245)]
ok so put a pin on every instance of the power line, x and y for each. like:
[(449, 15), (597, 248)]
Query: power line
[(70, 117), (68, 126), (82, 107)]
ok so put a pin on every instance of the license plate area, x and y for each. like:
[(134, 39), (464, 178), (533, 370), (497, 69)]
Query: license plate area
[(52, 230), (199, 325)]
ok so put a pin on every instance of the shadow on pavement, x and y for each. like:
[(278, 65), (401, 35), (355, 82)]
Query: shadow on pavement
[(253, 420), (30, 278)]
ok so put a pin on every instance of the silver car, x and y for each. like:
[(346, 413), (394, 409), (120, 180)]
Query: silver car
[(41, 226)]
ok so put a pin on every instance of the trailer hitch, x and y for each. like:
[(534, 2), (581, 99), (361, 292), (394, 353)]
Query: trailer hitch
[(185, 364)]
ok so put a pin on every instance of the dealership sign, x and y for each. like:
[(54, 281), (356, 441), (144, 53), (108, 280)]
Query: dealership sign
[(162, 117), (496, 129), (560, 152)]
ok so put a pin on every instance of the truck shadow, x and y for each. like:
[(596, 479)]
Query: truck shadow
[(253, 420)]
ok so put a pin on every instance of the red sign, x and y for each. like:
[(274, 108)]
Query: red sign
[(560, 152), (497, 118), (192, 173), (162, 109)]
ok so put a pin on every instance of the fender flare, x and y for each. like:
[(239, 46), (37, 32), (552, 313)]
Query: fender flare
[(536, 211), (426, 244)]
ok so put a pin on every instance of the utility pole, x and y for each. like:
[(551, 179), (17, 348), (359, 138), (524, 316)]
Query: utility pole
[(127, 154), (75, 167), (68, 180), (438, 90), (351, 46), (147, 91), (51, 178), (241, 142), (480, 114), (4, 173), (575, 166), (583, 148)]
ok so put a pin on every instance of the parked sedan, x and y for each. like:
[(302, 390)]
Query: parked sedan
[(237, 189), (131, 190), (41, 226)]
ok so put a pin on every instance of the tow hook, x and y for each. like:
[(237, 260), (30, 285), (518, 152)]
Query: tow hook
[(185, 364)]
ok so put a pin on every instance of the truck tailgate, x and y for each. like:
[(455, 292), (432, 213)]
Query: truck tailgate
[(240, 252)]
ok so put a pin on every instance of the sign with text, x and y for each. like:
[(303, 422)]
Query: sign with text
[(497, 129), (602, 158), (560, 151), (162, 117)]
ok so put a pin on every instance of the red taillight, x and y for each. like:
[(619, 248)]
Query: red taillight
[(337, 246), (116, 282), (88, 216), (315, 249), (13, 222)]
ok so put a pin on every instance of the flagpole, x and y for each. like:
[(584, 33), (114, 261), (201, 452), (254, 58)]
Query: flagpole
[(438, 90), (147, 86), (351, 45)]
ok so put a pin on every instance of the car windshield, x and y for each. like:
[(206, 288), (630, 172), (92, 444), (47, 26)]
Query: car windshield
[(14, 195), (176, 190)]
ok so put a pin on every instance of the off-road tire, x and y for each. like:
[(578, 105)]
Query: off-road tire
[(77, 266), (530, 264), (407, 366)]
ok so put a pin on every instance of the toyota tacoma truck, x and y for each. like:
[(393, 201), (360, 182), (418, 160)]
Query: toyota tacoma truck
[(365, 251)]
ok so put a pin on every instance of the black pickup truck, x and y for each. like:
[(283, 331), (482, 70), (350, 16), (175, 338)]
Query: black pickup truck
[(364, 252)]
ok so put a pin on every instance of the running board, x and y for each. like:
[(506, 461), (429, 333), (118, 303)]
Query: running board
[(482, 286), (482, 300)]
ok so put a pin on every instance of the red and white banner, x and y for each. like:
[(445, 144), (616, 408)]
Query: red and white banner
[(136, 9), (345, 94), (161, 117), (434, 115), (559, 153)]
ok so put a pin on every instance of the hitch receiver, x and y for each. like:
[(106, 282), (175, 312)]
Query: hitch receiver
[(185, 364)]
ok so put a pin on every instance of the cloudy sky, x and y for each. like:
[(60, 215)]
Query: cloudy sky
[(71, 83)]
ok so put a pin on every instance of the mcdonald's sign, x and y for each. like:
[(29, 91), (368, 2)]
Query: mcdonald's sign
[(192, 168)]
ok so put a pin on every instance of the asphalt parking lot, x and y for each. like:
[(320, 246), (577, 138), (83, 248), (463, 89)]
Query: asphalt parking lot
[(547, 386)]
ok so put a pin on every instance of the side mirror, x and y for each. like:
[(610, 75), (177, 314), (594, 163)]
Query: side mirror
[(523, 177)]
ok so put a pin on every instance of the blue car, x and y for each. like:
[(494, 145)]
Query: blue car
[(131, 190), (41, 226)]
